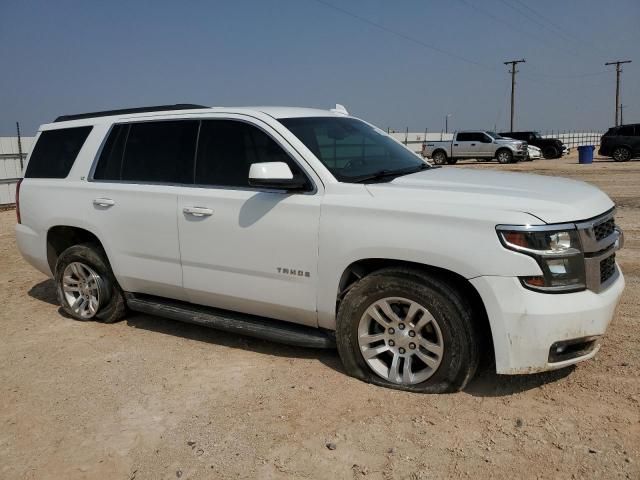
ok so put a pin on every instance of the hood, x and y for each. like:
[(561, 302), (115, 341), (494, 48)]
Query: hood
[(551, 199), (505, 140)]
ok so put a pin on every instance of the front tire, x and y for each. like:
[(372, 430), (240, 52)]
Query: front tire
[(504, 156), (403, 329), (86, 287), (621, 154)]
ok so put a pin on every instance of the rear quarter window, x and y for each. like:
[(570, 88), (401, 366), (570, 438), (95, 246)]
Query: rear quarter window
[(55, 152)]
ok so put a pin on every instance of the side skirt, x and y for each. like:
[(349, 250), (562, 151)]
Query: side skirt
[(233, 322)]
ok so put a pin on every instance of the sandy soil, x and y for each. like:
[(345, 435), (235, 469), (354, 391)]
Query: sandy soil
[(150, 398)]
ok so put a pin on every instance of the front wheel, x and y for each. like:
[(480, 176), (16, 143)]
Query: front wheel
[(403, 329), (85, 285), (621, 154), (504, 156)]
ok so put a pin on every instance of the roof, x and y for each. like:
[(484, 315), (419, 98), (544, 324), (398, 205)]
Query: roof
[(275, 112)]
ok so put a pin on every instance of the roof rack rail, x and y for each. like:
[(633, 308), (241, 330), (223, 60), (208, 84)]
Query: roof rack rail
[(123, 111)]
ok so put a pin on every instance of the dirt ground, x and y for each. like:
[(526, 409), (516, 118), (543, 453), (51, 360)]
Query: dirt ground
[(149, 398)]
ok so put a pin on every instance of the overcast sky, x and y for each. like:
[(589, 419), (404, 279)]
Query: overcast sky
[(395, 63)]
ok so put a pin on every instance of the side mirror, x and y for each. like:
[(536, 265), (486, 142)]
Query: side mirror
[(274, 175)]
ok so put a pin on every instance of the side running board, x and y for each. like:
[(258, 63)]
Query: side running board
[(234, 322)]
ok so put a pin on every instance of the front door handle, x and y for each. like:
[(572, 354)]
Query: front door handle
[(473, 144), (198, 211), (103, 202)]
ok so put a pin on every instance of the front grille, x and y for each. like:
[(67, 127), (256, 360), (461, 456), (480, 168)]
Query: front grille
[(604, 229), (607, 268)]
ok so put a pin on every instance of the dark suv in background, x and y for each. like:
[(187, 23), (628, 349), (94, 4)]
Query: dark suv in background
[(551, 147), (621, 143)]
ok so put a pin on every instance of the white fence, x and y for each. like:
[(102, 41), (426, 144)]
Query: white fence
[(11, 166)]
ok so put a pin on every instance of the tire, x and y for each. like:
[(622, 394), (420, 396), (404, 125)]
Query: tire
[(621, 154), (452, 326), (551, 152), (452, 161), (504, 156), (88, 275), (439, 157)]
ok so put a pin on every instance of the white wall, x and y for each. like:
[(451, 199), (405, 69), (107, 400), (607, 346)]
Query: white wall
[(10, 170)]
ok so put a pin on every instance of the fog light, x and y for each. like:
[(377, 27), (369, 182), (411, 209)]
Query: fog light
[(557, 266)]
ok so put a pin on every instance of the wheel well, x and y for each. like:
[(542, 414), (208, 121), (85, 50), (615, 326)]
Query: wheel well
[(503, 149), (61, 237), (362, 268), (439, 150)]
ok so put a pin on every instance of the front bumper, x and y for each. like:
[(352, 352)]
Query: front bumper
[(525, 324)]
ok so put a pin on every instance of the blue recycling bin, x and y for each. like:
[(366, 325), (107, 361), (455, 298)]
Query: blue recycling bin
[(585, 154)]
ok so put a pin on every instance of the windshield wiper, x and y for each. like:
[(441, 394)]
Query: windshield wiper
[(386, 173)]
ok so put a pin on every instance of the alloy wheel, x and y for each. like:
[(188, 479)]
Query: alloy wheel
[(82, 288), (400, 340)]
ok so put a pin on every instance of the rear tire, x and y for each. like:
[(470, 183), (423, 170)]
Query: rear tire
[(86, 287), (439, 157), (551, 152), (621, 154), (504, 156), (447, 339)]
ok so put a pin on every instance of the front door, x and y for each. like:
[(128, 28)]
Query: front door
[(242, 248)]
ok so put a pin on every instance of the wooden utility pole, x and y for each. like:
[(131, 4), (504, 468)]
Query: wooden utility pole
[(617, 63), (513, 72)]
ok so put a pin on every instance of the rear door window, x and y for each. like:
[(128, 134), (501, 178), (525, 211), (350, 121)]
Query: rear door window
[(160, 152), (110, 162), (464, 137), (55, 152)]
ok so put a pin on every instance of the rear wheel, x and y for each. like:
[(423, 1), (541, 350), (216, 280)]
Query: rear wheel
[(86, 287), (504, 156), (551, 152), (439, 157), (621, 154), (403, 329)]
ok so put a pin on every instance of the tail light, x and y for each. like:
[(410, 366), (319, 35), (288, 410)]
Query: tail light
[(18, 200)]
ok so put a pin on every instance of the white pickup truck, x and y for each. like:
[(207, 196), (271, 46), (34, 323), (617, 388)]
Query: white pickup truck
[(476, 144), (314, 228)]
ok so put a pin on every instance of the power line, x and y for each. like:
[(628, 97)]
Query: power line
[(617, 63), (404, 35), (513, 72), (539, 23), (559, 29)]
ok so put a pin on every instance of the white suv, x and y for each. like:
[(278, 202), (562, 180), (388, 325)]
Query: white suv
[(315, 228)]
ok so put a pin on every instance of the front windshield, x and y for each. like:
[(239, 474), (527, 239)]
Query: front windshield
[(537, 135), (352, 149), (494, 135)]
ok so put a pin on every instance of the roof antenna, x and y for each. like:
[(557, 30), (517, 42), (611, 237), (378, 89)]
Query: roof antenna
[(340, 109)]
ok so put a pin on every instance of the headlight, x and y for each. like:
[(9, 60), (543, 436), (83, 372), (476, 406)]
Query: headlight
[(556, 249)]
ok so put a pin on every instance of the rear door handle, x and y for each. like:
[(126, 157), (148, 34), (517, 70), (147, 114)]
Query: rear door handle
[(473, 144), (198, 211), (103, 202)]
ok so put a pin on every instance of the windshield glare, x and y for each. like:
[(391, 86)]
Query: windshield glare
[(350, 148), (494, 135)]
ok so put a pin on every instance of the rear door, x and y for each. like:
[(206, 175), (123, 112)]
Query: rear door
[(132, 198), (248, 249), (461, 146)]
